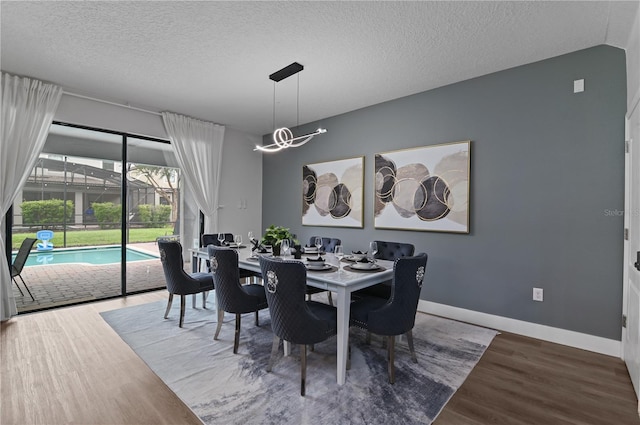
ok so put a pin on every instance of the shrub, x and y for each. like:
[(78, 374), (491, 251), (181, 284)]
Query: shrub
[(48, 213), (107, 214)]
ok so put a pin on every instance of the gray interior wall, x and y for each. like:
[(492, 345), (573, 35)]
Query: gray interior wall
[(547, 186), (241, 185)]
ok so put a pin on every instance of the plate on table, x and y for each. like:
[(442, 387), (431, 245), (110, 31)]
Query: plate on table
[(316, 268), (235, 245), (356, 256), (365, 266)]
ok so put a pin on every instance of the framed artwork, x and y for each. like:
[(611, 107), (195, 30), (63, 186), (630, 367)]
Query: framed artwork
[(332, 193), (425, 188)]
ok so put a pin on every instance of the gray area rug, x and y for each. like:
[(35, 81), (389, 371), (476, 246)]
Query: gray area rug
[(223, 388)]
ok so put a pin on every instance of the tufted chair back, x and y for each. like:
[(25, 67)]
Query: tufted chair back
[(328, 244), (393, 250), (398, 315), (212, 239), (226, 278), (178, 281), (291, 319)]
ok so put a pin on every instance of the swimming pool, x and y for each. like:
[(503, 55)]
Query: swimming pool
[(95, 256)]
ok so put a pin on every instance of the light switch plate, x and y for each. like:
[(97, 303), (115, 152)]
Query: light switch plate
[(578, 86)]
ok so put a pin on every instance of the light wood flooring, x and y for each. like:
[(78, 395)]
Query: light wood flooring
[(68, 366)]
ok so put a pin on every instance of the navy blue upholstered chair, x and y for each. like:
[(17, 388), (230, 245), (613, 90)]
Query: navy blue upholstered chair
[(292, 318), (397, 315), (212, 239), (232, 297), (180, 282), (328, 244), (387, 251)]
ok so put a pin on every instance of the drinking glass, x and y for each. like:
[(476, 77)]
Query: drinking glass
[(221, 239), (373, 249), (284, 247), (339, 252), (250, 236), (238, 240), (318, 244)]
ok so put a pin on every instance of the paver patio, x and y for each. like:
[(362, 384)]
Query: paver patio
[(64, 284)]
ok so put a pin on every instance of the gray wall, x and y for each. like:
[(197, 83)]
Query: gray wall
[(547, 181)]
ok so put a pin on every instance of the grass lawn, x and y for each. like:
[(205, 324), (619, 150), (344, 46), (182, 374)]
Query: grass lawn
[(96, 237)]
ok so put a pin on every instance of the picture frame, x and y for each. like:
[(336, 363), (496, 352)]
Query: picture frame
[(424, 188), (332, 193)]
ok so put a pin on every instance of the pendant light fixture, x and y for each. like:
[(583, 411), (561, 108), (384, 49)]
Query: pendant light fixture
[(283, 137)]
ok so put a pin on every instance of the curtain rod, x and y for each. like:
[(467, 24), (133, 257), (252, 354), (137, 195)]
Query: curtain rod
[(110, 103)]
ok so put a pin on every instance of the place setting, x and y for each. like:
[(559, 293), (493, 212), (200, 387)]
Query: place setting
[(314, 250), (360, 262), (319, 264)]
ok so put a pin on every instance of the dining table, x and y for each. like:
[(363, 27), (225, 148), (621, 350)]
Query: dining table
[(342, 281)]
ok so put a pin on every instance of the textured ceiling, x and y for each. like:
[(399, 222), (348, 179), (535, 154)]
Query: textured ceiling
[(211, 60)]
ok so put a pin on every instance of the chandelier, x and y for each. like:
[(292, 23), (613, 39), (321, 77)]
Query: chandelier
[(283, 137)]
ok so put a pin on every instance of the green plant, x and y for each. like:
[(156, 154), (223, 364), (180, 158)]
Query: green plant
[(46, 213), (273, 235), (108, 214)]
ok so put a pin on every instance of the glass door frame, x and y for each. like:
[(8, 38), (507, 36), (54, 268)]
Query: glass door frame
[(124, 229)]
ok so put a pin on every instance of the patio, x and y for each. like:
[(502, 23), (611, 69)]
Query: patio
[(64, 284)]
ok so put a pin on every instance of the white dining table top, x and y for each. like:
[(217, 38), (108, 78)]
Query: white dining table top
[(344, 277)]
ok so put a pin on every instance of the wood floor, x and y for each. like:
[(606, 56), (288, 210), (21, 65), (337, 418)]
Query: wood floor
[(69, 367)]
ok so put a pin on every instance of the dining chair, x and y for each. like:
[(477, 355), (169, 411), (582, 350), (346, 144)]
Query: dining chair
[(212, 239), (19, 262), (293, 318), (390, 251), (396, 315), (328, 244), (178, 281), (231, 296)]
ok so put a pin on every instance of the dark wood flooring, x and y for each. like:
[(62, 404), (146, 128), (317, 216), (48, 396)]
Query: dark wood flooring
[(67, 366), (521, 380)]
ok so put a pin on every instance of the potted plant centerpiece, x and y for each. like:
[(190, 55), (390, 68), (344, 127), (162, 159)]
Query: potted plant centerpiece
[(274, 235)]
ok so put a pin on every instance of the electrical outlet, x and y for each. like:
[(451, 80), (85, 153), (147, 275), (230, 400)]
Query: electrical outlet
[(538, 294)]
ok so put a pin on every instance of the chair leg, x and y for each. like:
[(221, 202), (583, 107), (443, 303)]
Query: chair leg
[(204, 299), (411, 349), (166, 313), (236, 337), (348, 355), (330, 298), (274, 351), (183, 302), (220, 320), (257, 319), (25, 287), (392, 372), (18, 286), (303, 368)]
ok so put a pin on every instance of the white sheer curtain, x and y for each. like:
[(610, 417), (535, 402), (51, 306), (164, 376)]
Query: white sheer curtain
[(198, 148), (28, 107)]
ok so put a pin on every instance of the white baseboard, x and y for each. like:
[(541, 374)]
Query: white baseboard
[(583, 341)]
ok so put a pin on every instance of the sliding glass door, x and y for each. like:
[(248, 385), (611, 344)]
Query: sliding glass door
[(83, 202)]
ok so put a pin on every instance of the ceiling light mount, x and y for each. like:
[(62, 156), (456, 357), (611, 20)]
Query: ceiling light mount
[(283, 137)]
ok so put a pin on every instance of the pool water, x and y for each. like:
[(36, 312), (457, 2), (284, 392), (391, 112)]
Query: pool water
[(95, 256)]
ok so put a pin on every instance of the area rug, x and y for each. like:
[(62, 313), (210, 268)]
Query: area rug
[(223, 388)]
